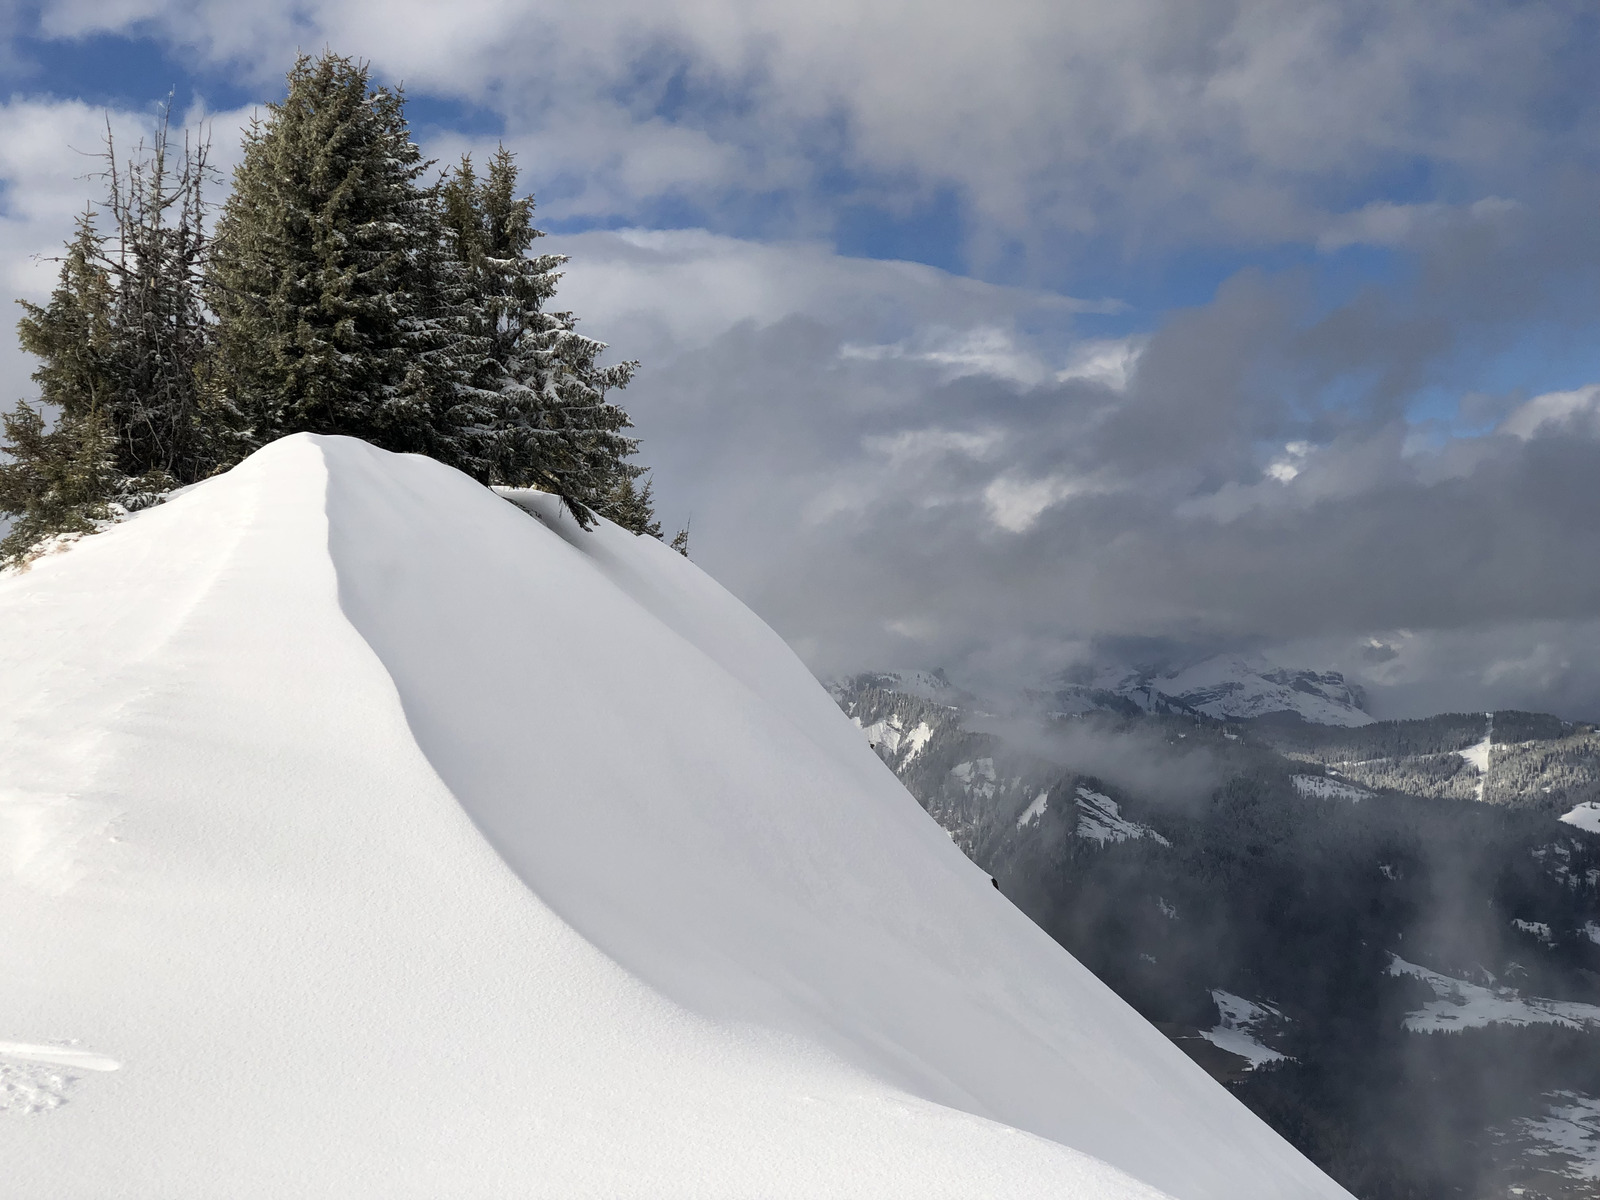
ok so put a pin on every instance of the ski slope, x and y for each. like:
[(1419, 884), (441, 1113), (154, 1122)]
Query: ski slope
[(365, 835)]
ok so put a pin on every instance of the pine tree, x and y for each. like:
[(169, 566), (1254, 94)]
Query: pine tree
[(553, 427), (160, 339), (59, 481), (340, 306), (62, 480), (72, 335), (631, 507)]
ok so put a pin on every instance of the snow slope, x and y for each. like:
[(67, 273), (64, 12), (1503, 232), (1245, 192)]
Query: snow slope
[(1100, 820), (391, 841), (1322, 787), (1464, 1005), (1585, 816), (1236, 1032)]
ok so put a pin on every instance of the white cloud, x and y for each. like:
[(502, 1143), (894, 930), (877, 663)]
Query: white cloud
[(1581, 405), (987, 350), (998, 353), (1015, 503), (673, 290), (1287, 467), (1107, 361), (925, 447), (1384, 223)]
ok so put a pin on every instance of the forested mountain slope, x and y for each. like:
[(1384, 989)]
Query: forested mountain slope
[(1404, 980)]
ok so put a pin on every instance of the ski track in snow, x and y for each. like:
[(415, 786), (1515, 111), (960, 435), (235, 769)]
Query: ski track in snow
[(59, 1056), (460, 853)]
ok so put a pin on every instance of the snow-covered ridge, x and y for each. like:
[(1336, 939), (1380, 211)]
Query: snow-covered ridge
[(397, 842), (926, 685), (1100, 819), (1225, 686)]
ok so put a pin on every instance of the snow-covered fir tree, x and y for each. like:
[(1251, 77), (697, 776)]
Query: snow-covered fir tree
[(61, 479), (340, 308), (554, 428)]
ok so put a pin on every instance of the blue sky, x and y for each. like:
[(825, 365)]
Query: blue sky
[(1231, 274)]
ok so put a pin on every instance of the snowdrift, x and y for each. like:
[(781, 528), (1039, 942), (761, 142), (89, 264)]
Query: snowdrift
[(364, 834)]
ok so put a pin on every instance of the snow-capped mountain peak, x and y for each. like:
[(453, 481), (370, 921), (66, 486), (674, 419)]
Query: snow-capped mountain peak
[(1223, 686)]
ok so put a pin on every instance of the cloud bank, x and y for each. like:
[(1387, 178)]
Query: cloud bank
[(1370, 446), (966, 494), (1131, 120)]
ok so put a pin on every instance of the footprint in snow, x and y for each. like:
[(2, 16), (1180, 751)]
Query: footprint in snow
[(38, 1078)]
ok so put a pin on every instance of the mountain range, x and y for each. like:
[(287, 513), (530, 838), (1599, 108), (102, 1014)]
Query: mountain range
[(1382, 936), (1221, 686)]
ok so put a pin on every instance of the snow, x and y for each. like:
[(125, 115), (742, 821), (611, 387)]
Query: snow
[(1323, 788), (1225, 686), (977, 777), (1236, 1032), (397, 843), (1249, 686), (1100, 819), (1591, 930), (892, 735), (1477, 756), (1570, 1132), (1034, 811), (1463, 1005), (1585, 816), (916, 741), (1537, 929)]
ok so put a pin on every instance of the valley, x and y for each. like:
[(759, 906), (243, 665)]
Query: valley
[(1381, 935)]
